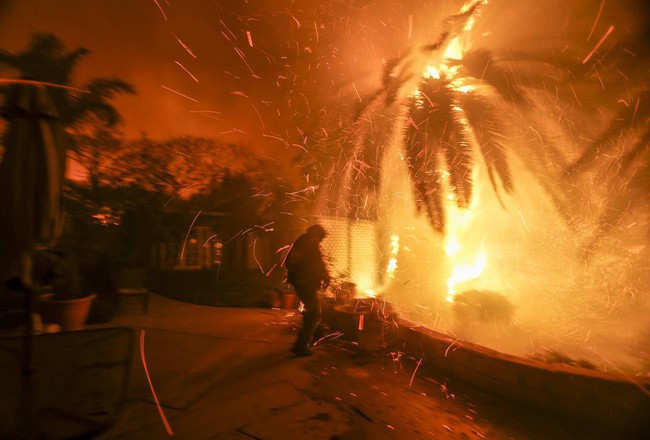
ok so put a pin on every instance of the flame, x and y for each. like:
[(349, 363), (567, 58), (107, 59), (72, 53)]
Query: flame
[(468, 261), (365, 287), (431, 72), (370, 293), (454, 51), (465, 272), (392, 262)]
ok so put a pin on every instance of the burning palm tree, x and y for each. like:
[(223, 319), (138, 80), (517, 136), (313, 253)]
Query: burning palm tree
[(444, 107), (445, 100)]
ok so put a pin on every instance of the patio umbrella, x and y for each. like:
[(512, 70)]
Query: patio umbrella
[(31, 178)]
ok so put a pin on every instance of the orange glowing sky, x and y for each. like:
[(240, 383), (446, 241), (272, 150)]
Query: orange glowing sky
[(247, 62), (133, 41), (266, 69)]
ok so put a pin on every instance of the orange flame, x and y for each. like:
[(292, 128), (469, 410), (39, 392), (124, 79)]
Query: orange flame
[(392, 262), (467, 260)]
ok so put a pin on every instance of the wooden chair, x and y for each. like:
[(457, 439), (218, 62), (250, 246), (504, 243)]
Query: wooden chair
[(131, 287)]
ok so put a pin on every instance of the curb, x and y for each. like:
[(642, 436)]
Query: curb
[(615, 401)]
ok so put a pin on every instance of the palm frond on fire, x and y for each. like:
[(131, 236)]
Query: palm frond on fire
[(449, 104)]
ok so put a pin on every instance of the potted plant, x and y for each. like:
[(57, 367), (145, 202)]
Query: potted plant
[(60, 301)]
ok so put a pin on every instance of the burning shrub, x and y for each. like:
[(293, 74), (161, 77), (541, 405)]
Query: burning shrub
[(484, 306)]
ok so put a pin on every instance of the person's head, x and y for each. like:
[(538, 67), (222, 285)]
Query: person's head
[(316, 231)]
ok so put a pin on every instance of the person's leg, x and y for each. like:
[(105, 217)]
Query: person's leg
[(311, 319)]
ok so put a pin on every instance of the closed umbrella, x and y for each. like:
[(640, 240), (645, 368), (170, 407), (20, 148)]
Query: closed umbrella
[(31, 180), (31, 177)]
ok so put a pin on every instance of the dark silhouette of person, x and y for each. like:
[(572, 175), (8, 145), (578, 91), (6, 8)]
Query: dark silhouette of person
[(307, 273)]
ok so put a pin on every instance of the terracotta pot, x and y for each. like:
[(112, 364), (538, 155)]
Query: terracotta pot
[(70, 314)]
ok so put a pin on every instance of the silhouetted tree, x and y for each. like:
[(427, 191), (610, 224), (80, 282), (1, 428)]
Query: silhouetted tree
[(179, 167), (98, 146), (46, 59)]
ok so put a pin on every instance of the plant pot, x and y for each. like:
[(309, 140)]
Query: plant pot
[(70, 314), (349, 321), (364, 322)]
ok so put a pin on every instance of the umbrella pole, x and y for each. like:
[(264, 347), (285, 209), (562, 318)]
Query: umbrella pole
[(28, 306), (27, 364)]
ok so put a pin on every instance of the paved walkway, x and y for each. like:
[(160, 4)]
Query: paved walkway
[(224, 373)]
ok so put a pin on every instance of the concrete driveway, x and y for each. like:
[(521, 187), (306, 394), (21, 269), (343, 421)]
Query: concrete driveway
[(226, 373)]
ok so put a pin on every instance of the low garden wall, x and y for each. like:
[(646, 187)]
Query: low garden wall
[(614, 400), (617, 402)]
